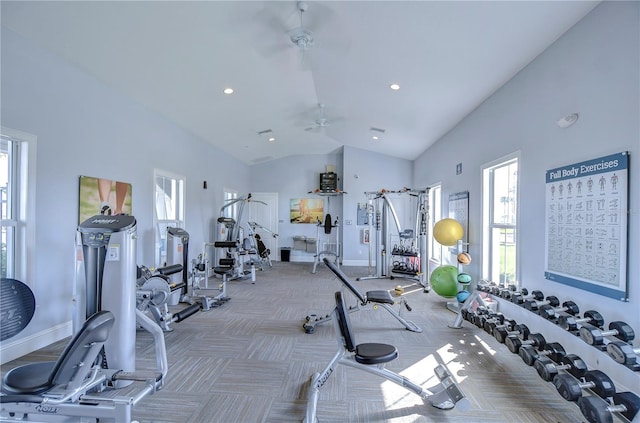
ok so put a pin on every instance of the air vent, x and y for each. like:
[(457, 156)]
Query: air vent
[(374, 129), (261, 159), (265, 131)]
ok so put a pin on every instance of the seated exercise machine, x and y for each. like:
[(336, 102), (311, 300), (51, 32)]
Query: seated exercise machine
[(195, 291), (380, 298), (46, 391), (154, 291), (372, 358), (256, 246), (101, 354)]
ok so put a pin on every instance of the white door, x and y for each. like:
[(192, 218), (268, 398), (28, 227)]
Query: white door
[(267, 216)]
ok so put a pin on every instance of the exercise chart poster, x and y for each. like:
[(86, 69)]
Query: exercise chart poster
[(586, 225)]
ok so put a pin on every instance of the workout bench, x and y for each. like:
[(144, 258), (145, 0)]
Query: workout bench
[(380, 298), (372, 358)]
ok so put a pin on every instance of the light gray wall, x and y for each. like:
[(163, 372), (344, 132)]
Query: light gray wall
[(87, 128), (293, 177), (593, 69), (374, 172)]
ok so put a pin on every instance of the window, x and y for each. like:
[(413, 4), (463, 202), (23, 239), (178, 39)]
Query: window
[(435, 214), (17, 202), (500, 210), (231, 211), (169, 210)]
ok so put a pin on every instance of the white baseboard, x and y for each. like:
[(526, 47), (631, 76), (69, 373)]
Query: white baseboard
[(16, 349), (301, 259), (355, 263)]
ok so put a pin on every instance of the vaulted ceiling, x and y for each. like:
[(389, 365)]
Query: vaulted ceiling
[(176, 57)]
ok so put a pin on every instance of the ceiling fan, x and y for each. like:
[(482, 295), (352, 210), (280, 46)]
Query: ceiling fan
[(301, 36), (315, 26), (321, 122)]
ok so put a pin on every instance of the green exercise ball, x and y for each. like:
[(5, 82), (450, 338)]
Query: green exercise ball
[(448, 232), (444, 280)]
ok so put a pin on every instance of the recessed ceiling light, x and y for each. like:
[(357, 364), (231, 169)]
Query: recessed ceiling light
[(394, 87), (272, 139), (228, 90), (374, 137)]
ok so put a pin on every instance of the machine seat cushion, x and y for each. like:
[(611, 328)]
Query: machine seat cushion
[(225, 244), (374, 353), (222, 270), (178, 286), (28, 379), (380, 296)]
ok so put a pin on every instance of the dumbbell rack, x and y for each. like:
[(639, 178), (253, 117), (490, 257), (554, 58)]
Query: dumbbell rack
[(624, 378)]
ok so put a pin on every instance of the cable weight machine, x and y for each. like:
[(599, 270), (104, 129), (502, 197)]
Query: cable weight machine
[(406, 259)]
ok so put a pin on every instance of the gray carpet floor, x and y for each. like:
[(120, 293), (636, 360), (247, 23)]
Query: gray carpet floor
[(250, 360)]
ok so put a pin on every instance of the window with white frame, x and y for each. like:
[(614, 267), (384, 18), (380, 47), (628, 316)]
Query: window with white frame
[(435, 214), (231, 211), (500, 212), (169, 210), (17, 202)]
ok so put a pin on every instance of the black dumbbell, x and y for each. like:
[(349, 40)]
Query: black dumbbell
[(595, 336), (474, 316), (465, 313), (530, 354), (501, 333), (485, 286), (522, 297), (508, 295), (534, 305), (514, 343), (571, 388), (572, 323), (548, 370), (506, 292), (550, 312), (624, 353), (490, 317), (597, 410), (490, 325)]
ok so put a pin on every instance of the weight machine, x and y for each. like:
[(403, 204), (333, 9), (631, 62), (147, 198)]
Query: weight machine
[(326, 246), (408, 258), (235, 248), (257, 247), (101, 354), (195, 283), (327, 232), (154, 292)]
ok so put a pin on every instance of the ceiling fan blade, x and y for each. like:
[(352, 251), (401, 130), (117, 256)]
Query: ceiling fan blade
[(272, 25)]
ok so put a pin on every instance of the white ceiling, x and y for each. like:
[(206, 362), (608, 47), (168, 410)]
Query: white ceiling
[(176, 57)]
